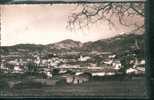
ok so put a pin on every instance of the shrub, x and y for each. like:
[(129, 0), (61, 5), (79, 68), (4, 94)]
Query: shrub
[(55, 71)]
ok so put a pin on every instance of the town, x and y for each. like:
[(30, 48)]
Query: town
[(74, 67)]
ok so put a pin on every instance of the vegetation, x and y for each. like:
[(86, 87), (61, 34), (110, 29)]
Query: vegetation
[(32, 68), (55, 71), (125, 61)]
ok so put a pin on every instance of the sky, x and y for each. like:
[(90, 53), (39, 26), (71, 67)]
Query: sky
[(45, 24)]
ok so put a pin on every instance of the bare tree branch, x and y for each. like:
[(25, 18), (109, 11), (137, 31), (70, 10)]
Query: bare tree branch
[(92, 13)]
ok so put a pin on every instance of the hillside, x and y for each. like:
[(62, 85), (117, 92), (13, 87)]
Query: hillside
[(116, 44), (67, 44)]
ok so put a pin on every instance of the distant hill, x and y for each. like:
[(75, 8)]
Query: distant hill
[(22, 48), (116, 44), (67, 44)]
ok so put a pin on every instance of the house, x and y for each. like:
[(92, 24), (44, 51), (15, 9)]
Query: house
[(92, 64), (141, 69), (116, 64), (78, 73), (104, 72), (110, 73), (93, 68), (17, 69), (49, 75), (84, 58), (75, 79), (13, 62), (98, 74), (135, 71), (62, 71), (37, 60), (68, 78), (131, 70), (142, 62), (44, 61), (138, 63), (80, 79), (112, 56), (108, 62), (29, 60)]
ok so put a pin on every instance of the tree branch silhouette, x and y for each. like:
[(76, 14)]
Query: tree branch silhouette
[(92, 13)]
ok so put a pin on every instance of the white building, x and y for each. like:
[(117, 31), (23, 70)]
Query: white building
[(17, 69), (37, 60), (13, 62), (142, 62), (109, 62), (116, 65), (131, 70), (110, 73), (49, 74), (44, 62), (135, 71), (84, 58), (78, 73), (98, 74), (112, 56), (68, 78), (141, 69), (62, 71)]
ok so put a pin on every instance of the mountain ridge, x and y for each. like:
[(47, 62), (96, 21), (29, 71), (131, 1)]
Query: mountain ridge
[(118, 43)]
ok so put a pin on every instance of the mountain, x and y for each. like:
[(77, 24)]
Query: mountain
[(116, 44), (22, 48), (67, 44)]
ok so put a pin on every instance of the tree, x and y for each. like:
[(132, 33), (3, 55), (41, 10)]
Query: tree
[(32, 67), (126, 59), (107, 12), (55, 71), (92, 13)]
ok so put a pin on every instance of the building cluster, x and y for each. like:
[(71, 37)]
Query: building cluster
[(108, 65)]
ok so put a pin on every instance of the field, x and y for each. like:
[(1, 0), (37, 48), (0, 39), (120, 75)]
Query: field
[(134, 87)]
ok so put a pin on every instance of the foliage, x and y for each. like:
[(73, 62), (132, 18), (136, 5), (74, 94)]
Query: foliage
[(125, 61), (32, 67), (55, 71)]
